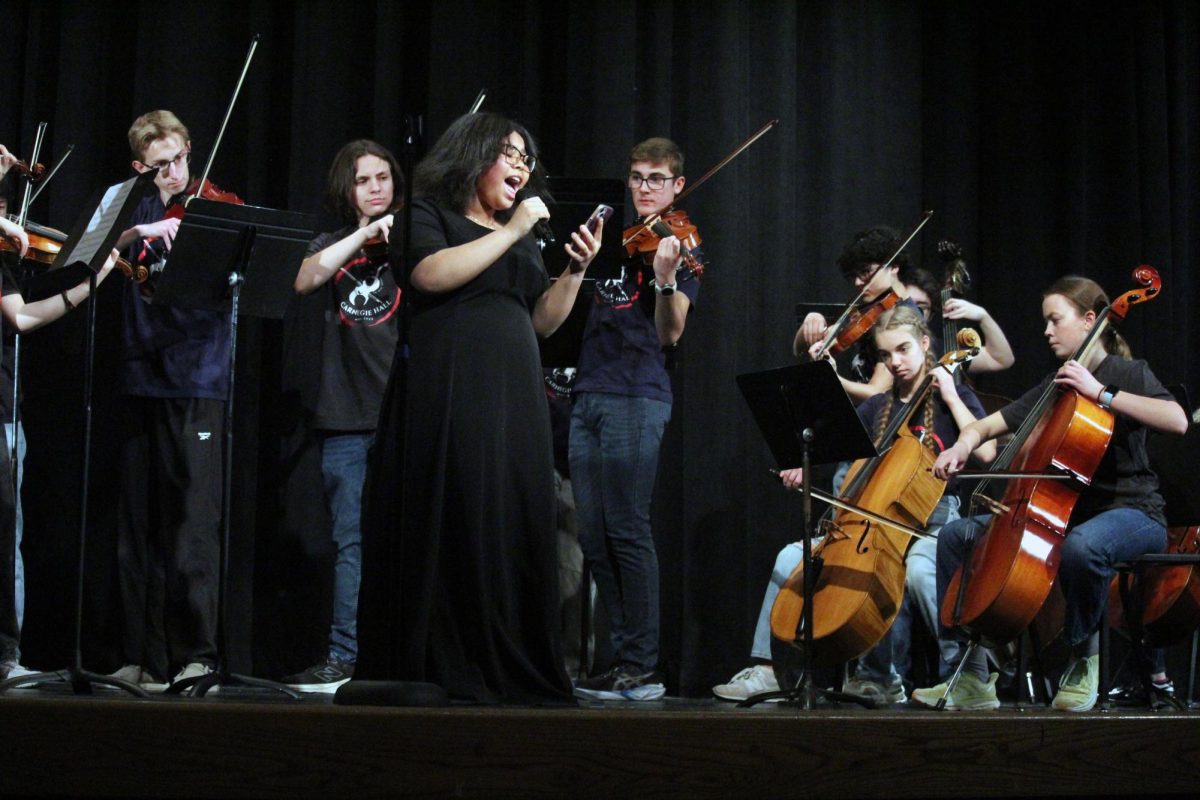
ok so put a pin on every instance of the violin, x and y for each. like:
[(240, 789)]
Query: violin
[(45, 243), (208, 191), (998, 591), (861, 320), (377, 249), (883, 501), (858, 319), (643, 238)]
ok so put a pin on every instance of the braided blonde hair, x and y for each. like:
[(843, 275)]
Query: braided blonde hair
[(905, 317)]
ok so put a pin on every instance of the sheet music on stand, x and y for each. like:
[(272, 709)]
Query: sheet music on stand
[(91, 243)]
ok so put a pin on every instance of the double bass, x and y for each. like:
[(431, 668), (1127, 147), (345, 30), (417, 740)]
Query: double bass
[(1003, 584), (883, 503)]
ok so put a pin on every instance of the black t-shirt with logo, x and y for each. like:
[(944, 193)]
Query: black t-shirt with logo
[(361, 309)]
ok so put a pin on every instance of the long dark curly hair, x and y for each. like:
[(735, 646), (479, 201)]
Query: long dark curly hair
[(467, 149)]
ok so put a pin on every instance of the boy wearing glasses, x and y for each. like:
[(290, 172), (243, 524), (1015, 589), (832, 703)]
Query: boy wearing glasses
[(175, 377), (622, 405), (859, 264)]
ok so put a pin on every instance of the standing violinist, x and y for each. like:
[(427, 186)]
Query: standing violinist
[(861, 264), (359, 301), (1118, 516), (174, 376), (622, 405), (20, 317)]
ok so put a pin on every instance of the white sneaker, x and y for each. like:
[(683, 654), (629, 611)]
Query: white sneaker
[(12, 669), (132, 673), (194, 670), (749, 682)]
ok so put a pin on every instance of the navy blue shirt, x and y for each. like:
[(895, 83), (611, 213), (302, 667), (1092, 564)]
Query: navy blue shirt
[(945, 429), (169, 351), (621, 353)]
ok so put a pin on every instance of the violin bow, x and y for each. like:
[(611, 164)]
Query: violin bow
[(836, 327), (228, 113), (42, 181), (720, 164), (27, 195), (478, 104)]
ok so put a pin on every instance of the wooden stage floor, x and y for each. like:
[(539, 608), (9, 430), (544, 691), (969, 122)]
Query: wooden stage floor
[(253, 743)]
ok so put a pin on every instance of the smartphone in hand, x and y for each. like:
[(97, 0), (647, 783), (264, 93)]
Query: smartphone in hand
[(602, 212)]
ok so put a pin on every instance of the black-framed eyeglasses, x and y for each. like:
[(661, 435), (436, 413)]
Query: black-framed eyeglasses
[(515, 158), (864, 273), (654, 180), (163, 167)]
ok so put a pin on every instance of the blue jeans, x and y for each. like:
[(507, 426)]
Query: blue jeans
[(344, 467), (1088, 553), (614, 461), (785, 564), (891, 657), (20, 562)]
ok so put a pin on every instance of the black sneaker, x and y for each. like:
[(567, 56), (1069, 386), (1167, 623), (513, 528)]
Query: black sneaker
[(1134, 694), (325, 677), (622, 682)]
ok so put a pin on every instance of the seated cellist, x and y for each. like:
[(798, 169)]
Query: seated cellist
[(901, 337), (1117, 517)]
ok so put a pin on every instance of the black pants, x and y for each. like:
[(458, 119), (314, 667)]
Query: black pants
[(169, 521), (9, 632)]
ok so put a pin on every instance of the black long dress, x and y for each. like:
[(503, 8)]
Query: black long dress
[(459, 551)]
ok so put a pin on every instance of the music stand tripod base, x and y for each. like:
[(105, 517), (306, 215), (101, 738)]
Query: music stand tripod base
[(807, 418)]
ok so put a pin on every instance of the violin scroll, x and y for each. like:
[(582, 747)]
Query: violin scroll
[(33, 173), (137, 274)]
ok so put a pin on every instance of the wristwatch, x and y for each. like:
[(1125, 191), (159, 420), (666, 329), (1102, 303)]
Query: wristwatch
[(1107, 394), (666, 289)]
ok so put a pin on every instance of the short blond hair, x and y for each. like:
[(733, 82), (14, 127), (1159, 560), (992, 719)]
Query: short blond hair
[(151, 126)]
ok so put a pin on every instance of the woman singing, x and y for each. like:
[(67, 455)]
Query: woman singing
[(472, 547)]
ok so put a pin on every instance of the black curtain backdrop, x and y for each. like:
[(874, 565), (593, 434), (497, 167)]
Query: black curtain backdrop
[(1048, 139)]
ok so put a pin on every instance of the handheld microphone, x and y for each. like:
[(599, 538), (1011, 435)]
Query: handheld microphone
[(541, 229)]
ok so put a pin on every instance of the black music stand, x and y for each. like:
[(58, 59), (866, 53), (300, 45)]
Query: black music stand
[(85, 251), (806, 417), (216, 246)]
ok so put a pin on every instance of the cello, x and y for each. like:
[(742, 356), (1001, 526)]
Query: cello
[(1011, 569), (860, 583), (1168, 595)]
